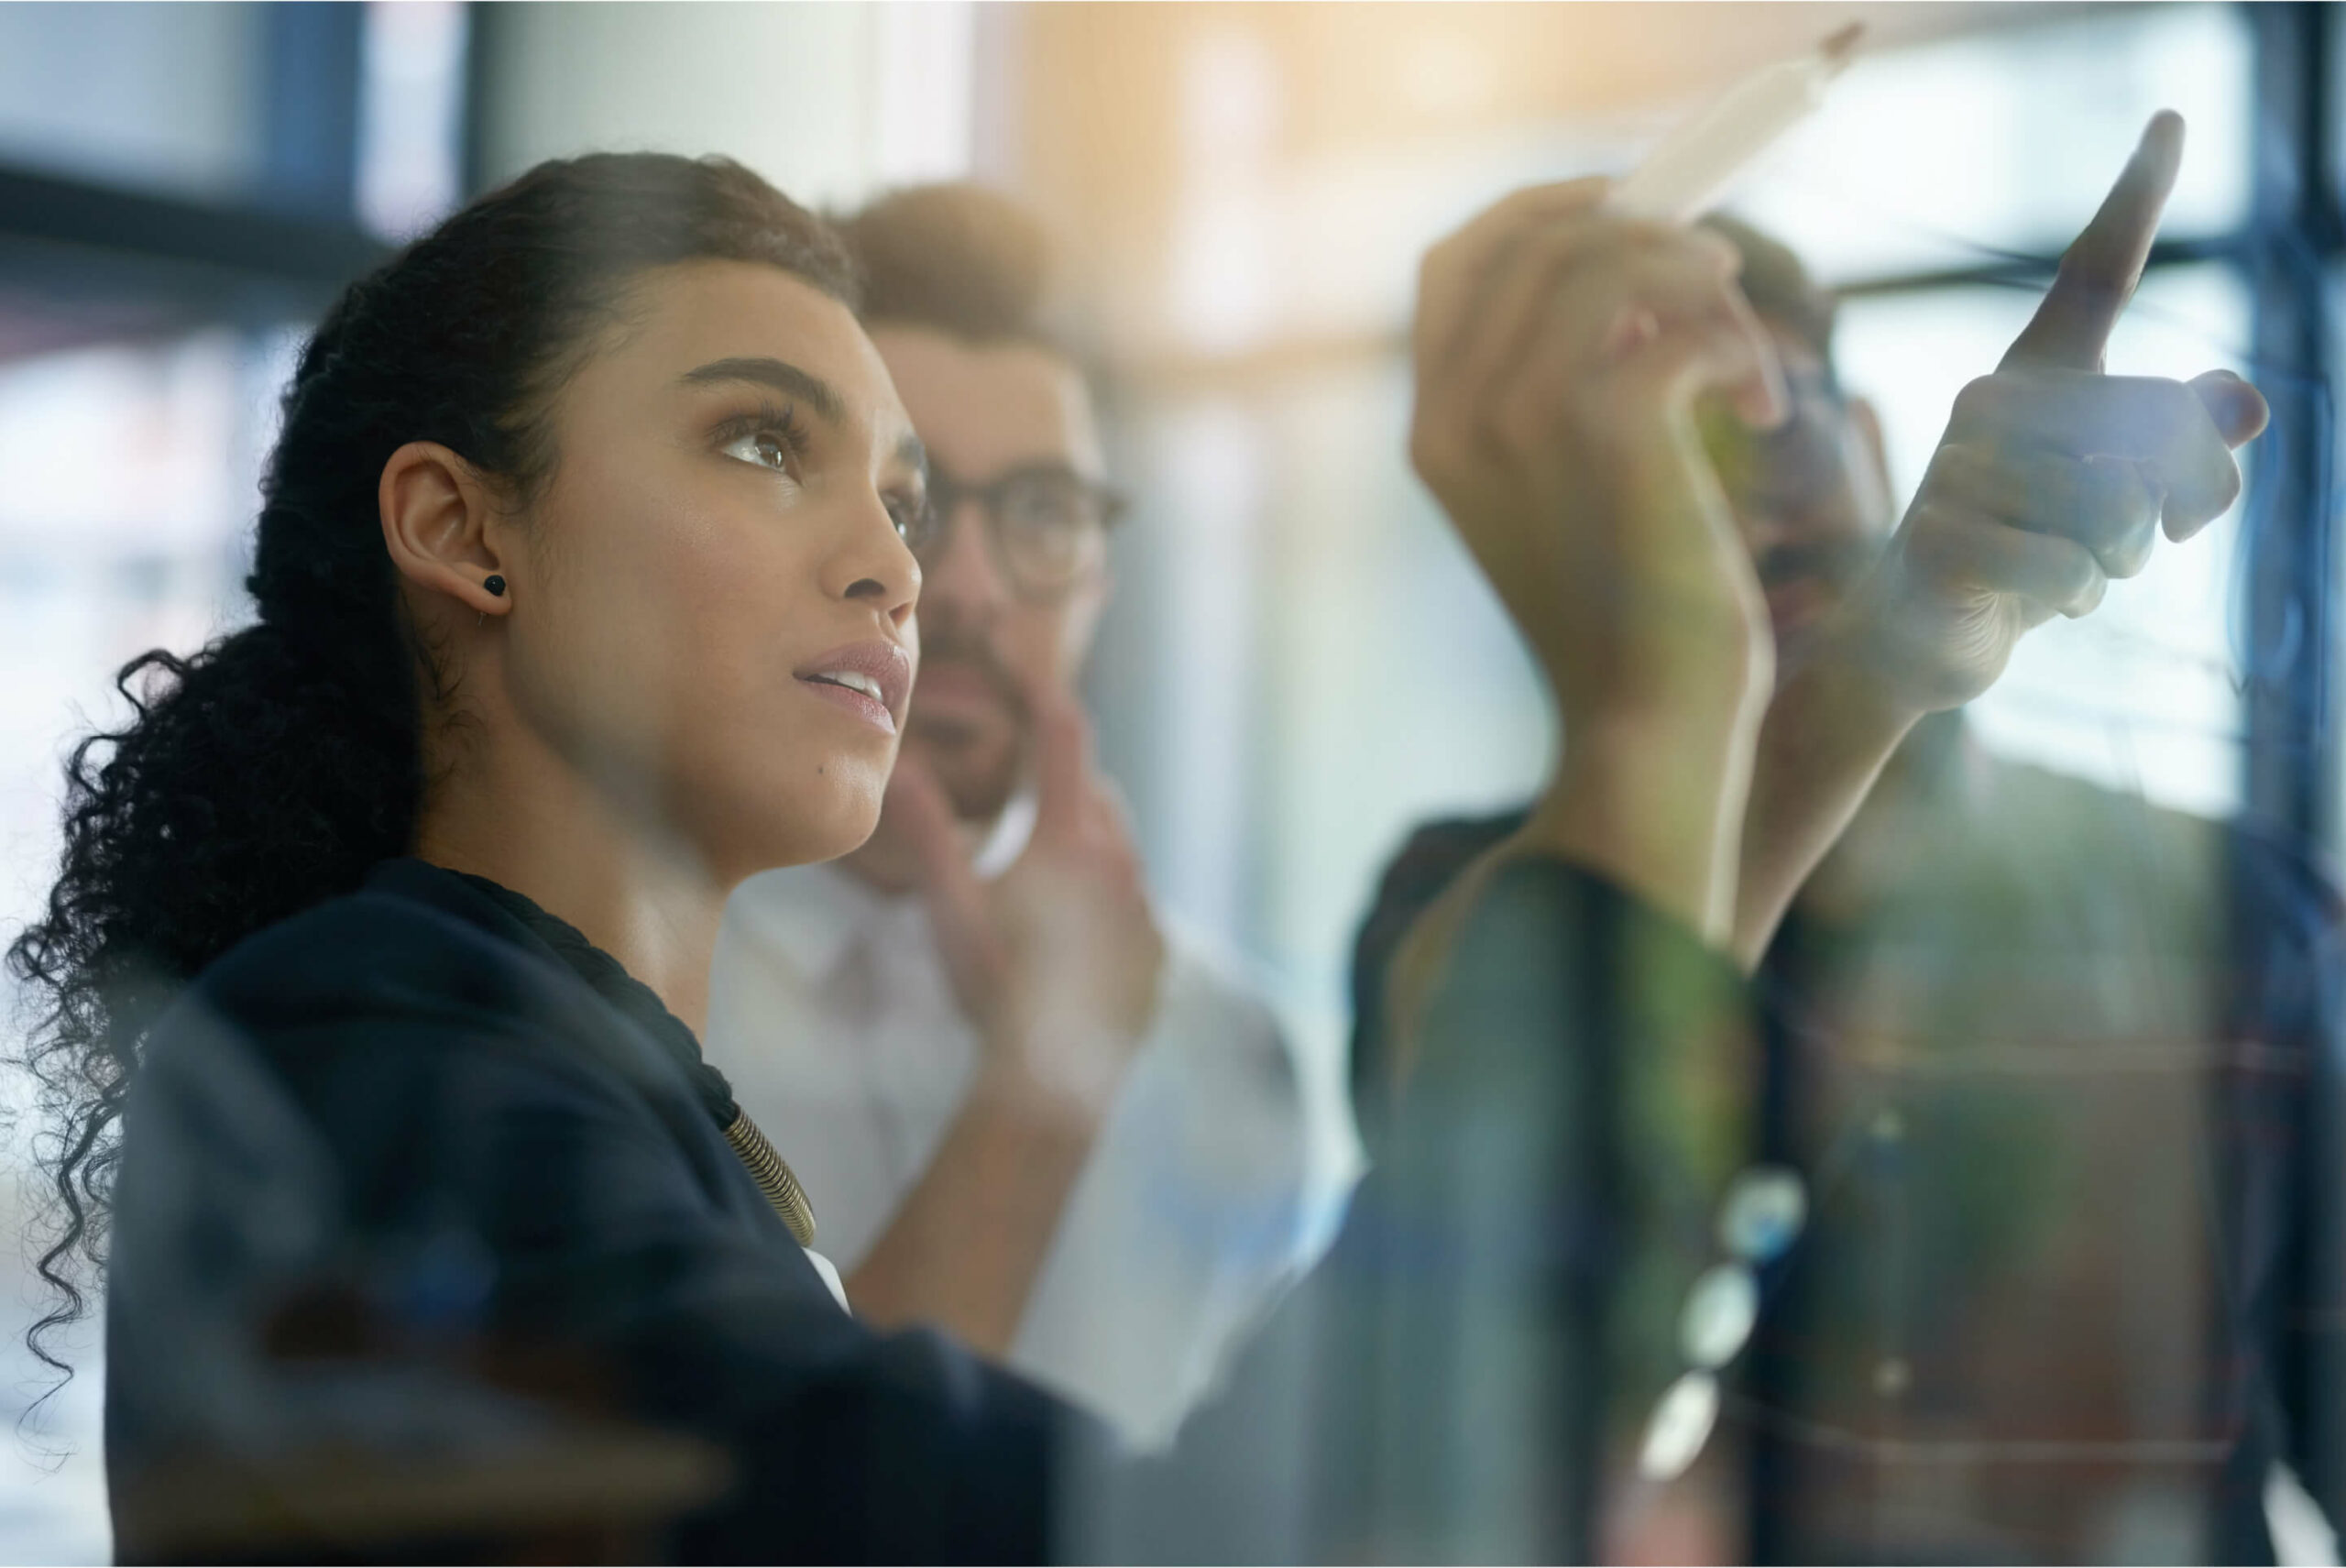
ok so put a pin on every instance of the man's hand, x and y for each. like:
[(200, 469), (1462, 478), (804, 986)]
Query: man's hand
[(2053, 478), (1559, 351), (1558, 354), (1056, 961)]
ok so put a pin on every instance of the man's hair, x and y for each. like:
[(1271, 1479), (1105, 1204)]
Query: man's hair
[(1779, 285), (957, 257)]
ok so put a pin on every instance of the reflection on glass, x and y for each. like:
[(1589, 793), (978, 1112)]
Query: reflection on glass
[(130, 473), (410, 121), (1944, 155), (144, 94)]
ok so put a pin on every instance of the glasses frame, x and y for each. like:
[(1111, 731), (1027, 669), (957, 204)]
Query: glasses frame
[(946, 495)]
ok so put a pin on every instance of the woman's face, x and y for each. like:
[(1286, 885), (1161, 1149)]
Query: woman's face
[(715, 620)]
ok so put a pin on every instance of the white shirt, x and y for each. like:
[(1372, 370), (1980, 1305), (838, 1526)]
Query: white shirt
[(1216, 1180)]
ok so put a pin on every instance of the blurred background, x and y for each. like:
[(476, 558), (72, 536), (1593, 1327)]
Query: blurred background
[(1302, 661)]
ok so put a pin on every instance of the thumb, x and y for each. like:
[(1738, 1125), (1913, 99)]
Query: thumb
[(2238, 409)]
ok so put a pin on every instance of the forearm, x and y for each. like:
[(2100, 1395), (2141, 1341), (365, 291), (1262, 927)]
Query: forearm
[(964, 1250), (1827, 736), (1656, 806)]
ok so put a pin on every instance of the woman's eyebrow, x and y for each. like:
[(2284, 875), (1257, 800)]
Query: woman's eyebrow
[(775, 373)]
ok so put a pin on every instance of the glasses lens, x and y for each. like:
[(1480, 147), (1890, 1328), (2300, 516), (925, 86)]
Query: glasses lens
[(1053, 526), (1795, 463), (918, 524)]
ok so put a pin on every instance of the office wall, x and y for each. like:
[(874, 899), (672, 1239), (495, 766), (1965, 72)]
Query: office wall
[(828, 101)]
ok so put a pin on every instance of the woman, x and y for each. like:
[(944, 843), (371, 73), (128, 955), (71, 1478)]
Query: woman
[(580, 570)]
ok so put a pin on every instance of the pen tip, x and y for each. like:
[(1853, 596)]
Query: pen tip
[(1838, 48)]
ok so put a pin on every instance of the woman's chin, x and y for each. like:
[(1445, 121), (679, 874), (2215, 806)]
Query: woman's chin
[(837, 827)]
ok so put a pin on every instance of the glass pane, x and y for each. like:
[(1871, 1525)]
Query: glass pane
[(2143, 695), (127, 478), (161, 96), (1303, 664), (412, 111), (1944, 155)]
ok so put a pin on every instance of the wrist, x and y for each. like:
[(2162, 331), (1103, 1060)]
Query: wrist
[(1654, 803), (1057, 1094), (1839, 701)]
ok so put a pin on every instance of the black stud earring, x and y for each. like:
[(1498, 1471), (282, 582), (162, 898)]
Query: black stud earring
[(495, 585)]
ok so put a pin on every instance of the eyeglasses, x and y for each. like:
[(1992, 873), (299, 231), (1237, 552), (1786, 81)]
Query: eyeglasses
[(1046, 524), (1792, 464)]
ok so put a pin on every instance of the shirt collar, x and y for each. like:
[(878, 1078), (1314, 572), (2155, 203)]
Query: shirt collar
[(809, 914)]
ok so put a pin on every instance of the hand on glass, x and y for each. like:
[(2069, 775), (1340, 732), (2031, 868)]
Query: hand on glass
[(2053, 478), (1056, 961)]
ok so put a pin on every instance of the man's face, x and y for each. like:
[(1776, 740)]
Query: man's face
[(1811, 498), (988, 630)]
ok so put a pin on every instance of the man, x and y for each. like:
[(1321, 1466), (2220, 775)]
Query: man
[(2044, 1053), (1023, 1107)]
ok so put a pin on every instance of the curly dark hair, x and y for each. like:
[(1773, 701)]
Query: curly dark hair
[(269, 770)]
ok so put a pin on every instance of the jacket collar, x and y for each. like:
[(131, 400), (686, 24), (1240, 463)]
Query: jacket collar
[(517, 919)]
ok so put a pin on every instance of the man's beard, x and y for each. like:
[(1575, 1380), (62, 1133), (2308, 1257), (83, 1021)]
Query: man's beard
[(978, 766)]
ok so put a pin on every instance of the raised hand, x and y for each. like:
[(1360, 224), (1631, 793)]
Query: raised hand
[(2053, 478), (1559, 351), (1057, 964), (1056, 961)]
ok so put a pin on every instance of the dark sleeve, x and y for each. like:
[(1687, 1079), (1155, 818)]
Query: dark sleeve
[(1436, 853), (406, 1237), (521, 1254), (1498, 1318)]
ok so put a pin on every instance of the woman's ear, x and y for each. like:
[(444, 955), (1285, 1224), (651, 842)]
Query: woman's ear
[(438, 518)]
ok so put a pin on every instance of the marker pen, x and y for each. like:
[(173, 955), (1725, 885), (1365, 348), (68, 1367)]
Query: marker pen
[(1697, 164)]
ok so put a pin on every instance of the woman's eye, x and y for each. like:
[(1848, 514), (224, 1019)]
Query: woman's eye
[(763, 449)]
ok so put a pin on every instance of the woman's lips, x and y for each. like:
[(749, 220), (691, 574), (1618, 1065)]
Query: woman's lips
[(869, 708), (869, 680)]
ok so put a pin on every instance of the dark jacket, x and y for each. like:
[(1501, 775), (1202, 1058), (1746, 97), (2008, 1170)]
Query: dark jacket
[(2070, 1082), (425, 1243)]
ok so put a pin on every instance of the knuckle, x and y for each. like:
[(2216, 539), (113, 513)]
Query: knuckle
[(1982, 399), (1931, 541), (1714, 248), (2176, 401), (1959, 467), (2129, 556), (2078, 572)]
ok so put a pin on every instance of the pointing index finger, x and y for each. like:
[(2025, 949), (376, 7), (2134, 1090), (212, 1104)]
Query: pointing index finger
[(2101, 267)]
